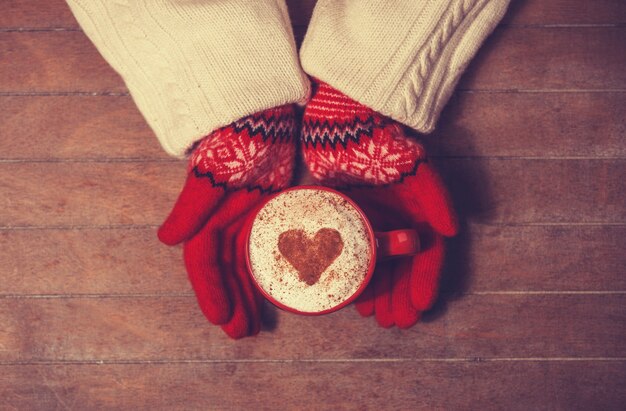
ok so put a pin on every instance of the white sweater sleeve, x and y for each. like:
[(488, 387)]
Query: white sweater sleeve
[(194, 66), (402, 58)]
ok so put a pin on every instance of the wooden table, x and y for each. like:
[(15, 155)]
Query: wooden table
[(95, 313)]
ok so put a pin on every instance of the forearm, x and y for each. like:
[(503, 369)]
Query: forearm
[(192, 67), (400, 58)]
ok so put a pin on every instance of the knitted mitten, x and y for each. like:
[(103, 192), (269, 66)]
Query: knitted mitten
[(230, 171), (369, 157)]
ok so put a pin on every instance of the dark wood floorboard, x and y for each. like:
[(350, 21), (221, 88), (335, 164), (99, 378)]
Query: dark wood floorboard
[(96, 314), (172, 328), (483, 258), (404, 385), (487, 190)]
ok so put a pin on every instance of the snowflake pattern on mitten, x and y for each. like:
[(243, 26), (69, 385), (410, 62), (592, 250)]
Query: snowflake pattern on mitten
[(348, 144), (255, 152)]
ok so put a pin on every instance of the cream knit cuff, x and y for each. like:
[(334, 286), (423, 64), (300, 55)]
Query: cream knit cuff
[(400, 58), (192, 67)]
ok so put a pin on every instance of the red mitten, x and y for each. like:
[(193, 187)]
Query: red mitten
[(368, 156), (230, 171)]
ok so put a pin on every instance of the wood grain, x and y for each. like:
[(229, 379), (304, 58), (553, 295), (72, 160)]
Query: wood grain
[(531, 258), (75, 127), (532, 124), (565, 12), (523, 58), (515, 58), (482, 258), (36, 14), (90, 261), (96, 314), (473, 124), (507, 385), (485, 190), (501, 191), (54, 62), (56, 14), (90, 193), (173, 328)]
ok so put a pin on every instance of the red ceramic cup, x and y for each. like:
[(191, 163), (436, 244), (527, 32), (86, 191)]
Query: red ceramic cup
[(382, 245)]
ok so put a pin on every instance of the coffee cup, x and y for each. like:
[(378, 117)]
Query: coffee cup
[(311, 250)]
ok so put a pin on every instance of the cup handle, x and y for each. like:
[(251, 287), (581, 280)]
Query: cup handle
[(397, 243)]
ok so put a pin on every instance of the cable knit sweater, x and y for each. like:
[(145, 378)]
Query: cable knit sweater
[(194, 66)]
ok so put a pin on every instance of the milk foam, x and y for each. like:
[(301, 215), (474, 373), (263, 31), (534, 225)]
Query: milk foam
[(309, 210)]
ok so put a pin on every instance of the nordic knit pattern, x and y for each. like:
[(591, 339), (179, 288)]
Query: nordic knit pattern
[(348, 144), (256, 151), (400, 58), (195, 66)]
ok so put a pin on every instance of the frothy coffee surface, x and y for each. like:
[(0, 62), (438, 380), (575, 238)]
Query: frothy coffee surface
[(309, 249)]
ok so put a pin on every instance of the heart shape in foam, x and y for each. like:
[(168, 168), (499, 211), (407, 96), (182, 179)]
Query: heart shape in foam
[(310, 256)]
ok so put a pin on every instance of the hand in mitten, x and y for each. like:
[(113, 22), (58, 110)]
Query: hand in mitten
[(230, 172), (368, 156)]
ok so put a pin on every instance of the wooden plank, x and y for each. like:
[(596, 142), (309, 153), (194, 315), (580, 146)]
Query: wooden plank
[(321, 386), (474, 124), (54, 62), (56, 14), (89, 193), (532, 124), (542, 12), (36, 14), (505, 191), (482, 258), (535, 258), (75, 127), (514, 58), (173, 328), (90, 261), (494, 191), (550, 58)]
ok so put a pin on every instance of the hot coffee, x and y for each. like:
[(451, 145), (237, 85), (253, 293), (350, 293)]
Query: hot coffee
[(310, 249)]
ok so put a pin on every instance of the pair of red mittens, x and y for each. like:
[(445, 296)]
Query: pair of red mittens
[(347, 146)]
